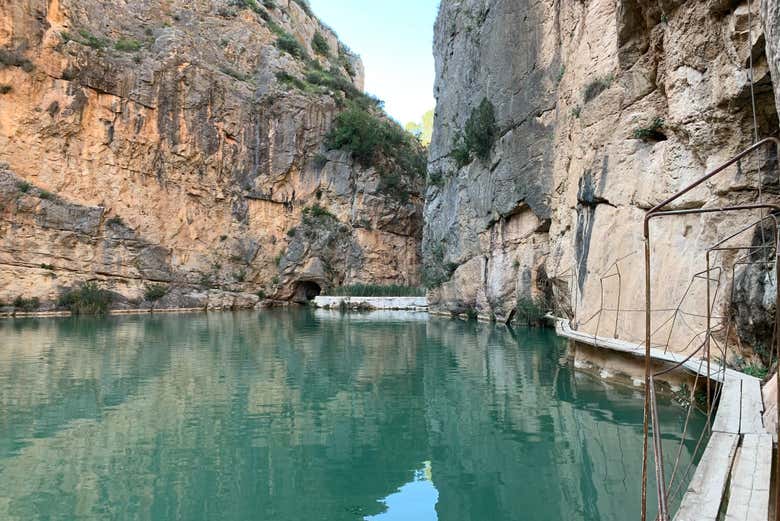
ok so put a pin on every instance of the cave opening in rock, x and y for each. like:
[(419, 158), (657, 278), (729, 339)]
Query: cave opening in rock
[(306, 290)]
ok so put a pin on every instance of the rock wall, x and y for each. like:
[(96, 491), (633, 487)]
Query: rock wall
[(186, 126), (603, 109)]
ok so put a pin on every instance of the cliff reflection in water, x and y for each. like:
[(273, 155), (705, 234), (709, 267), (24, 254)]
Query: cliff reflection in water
[(291, 414)]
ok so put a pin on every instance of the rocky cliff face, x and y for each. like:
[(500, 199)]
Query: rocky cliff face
[(183, 143), (602, 110)]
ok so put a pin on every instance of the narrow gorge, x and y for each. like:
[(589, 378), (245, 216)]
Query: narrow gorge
[(605, 169)]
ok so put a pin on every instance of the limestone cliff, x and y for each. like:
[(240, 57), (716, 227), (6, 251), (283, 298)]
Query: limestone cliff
[(602, 109), (184, 143)]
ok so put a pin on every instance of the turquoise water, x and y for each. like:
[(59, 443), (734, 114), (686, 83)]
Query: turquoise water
[(303, 415)]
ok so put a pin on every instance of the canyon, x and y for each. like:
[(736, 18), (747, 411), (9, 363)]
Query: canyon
[(184, 144), (195, 145), (602, 110)]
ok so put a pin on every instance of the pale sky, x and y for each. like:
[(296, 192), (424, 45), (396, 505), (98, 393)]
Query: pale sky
[(395, 39)]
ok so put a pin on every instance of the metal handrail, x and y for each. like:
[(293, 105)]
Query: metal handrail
[(657, 211)]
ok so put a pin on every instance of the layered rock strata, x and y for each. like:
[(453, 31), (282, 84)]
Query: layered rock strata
[(185, 140)]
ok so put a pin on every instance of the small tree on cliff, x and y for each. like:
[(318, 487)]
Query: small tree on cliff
[(478, 136)]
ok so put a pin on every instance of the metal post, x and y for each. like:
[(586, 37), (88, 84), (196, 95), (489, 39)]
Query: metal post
[(647, 367), (707, 347), (777, 372)]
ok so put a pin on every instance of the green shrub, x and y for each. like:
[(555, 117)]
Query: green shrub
[(240, 275), (332, 79), (756, 370), (320, 44), (275, 28), (368, 137), (357, 131), (596, 87), (460, 153), (652, 132), (89, 299), (471, 313), (128, 45), (436, 178), (45, 194), (23, 186), (317, 212), (154, 292), (376, 290), (289, 79), (269, 4), (575, 111), (261, 294), (5, 89), (26, 304), (478, 136), (45, 266), (91, 40), (287, 43), (291, 232), (115, 221)]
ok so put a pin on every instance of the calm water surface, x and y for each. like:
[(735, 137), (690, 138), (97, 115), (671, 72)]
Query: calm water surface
[(300, 415)]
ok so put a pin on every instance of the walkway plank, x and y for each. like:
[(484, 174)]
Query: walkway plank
[(751, 421), (728, 416), (749, 488), (703, 497), (695, 365), (739, 416)]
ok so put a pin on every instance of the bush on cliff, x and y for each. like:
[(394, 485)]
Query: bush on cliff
[(478, 136), (320, 44), (376, 141), (26, 304), (89, 299), (287, 43), (154, 292)]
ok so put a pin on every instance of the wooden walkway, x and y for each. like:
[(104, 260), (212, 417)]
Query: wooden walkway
[(734, 471)]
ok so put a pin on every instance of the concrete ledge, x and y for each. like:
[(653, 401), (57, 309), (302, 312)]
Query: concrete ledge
[(397, 303)]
